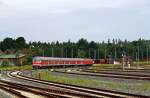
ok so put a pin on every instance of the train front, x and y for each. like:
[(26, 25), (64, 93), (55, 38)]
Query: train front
[(36, 62)]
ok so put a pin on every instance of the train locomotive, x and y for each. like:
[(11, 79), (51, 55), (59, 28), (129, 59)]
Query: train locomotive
[(44, 62)]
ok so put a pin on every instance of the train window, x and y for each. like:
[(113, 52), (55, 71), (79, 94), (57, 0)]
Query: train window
[(36, 60)]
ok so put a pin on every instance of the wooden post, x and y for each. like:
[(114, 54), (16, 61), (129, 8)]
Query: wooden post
[(39, 77)]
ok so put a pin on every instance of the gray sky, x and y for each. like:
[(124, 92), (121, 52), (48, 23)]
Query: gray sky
[(98, 20)]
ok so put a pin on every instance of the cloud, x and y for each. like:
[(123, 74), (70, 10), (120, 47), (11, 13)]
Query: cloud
[(72, 19), (1, 3), (67, 6), (72, 4)]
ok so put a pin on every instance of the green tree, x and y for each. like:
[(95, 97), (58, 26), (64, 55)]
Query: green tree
[(20, 43), (7, 43)]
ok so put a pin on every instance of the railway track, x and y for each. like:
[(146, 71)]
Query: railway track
[(110, 74), (71, 94), (12, 92), (94, 92), (119, 70), (139, 74), (26, 91)]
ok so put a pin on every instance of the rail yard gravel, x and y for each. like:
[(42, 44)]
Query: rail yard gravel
[(124, 85)]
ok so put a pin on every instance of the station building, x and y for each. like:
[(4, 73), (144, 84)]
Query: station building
[(11, 59)]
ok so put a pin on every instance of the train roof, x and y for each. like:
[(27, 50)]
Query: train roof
[(55, 58)]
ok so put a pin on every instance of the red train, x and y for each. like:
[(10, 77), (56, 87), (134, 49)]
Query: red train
[(39, 62), (99, 61)]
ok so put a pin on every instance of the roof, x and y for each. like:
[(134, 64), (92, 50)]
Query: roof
[(10, 56), (55, 58)]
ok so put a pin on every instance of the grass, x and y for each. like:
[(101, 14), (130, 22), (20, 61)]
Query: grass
[(12, 68), (105, 66), (95, 83), (143, 64), (62, 79)]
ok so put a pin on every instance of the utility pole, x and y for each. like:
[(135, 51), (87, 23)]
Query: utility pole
[(136, 58), (147, 53), (123, 57), (43, 52), (94, 54), (142, 54), (98, 53), (72, 53), (123, 61), (105, 53), (78, 52), (52, 52), (138, 55), (115, 54), (66, 52), (89, 53), (17, 58), (62, 52)]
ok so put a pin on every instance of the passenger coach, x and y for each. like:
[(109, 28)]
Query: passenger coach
[(39, 62)]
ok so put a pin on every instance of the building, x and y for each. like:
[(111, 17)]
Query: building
[(11, 59)]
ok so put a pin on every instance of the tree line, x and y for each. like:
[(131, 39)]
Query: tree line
[(114, 48), (13, 44)]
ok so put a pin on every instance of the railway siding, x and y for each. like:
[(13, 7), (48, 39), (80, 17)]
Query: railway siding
[(116, 92), (118, 84), (64, 92)]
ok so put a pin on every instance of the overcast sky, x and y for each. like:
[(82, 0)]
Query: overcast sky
[(52, 20)]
